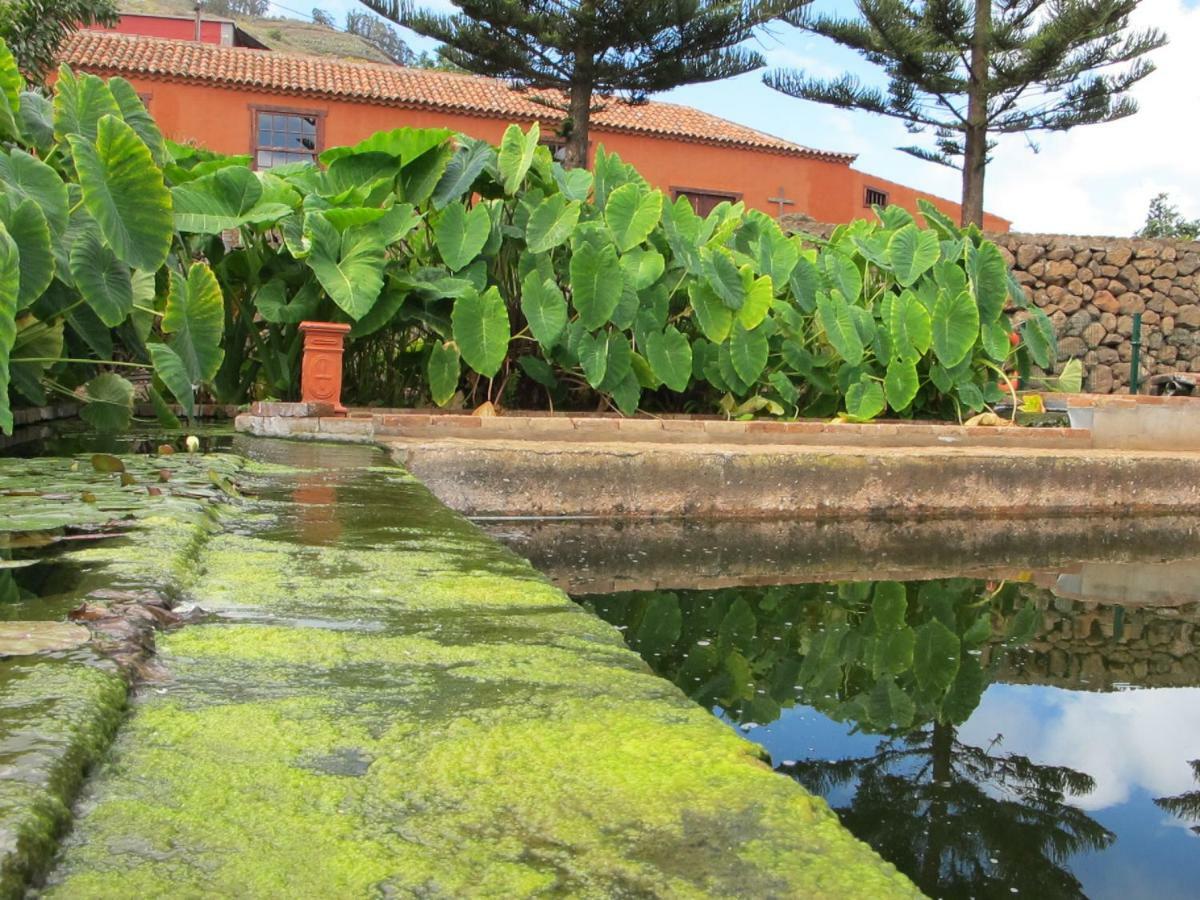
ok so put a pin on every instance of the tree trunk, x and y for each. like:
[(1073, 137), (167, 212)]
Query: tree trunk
[(575, 155), (975, 136)]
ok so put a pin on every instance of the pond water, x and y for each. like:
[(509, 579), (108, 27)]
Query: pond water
[(1030, 730)]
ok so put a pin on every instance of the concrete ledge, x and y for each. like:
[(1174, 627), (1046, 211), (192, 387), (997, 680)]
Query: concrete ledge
[(511, 478)]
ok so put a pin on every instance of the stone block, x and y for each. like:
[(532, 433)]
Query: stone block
[(1106, 302), (1118, 255), (1094, 334), (1189, 316)]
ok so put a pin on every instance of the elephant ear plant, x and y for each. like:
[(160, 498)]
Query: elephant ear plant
[(86, 229)]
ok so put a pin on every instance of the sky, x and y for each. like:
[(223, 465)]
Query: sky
[(1097, 179)]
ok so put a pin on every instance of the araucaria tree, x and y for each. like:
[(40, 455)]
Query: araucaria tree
[(35, 29), (972, 69), (592, 49)]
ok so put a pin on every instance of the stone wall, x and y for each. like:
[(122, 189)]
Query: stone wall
[(1091, 287)]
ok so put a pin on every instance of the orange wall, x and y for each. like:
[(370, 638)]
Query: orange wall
[(220, 118)]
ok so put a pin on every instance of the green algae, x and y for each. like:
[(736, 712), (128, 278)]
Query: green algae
[(393, 705)]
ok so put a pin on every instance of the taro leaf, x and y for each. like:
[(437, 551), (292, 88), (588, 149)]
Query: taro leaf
[(889, 604), (738, 629), (631, 214), (670, 357), (544, 308), (1024, 625), (103, 280), (1070, 379), (989, 279), (909, 326), (124, 192), (596, 284), (10, 287), (901, 383), (642, 267), (912, 252), (11, 86), (835, 317), (272, 302), (950, 277), (805, 281), (713, 316), (37, 121), (29, 230), (777, 256), (134, 112), (864, 399), (228, 198), (935, 657), (842, 273), (390, 302), (628, 394), (994, 336), (955, 327), (723, 276), (539, 370), (395, 224), (893, 651), (109, 403), (481, 330), (938, 220), (166, 417), (468, 162), (26, 177), (965, 693), (551, 223), (894, 217), (80, 102), (28, 638), (888, 707), (516, 155), (443, 370), (575, 184), (748, 351), (970, 396), (106, 462), (659, 625), (759, 295), (619, 364), (348, 265), (593, 357), (461, 234), (171, 371), (195, 319), (1038, 334)]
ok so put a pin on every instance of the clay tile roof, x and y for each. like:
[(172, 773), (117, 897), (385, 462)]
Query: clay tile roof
[(118, 54)]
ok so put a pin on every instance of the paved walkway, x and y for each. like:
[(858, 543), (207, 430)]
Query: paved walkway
[(388, 703)]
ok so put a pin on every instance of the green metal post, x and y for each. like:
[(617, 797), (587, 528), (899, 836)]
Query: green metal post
[(1135, 360)]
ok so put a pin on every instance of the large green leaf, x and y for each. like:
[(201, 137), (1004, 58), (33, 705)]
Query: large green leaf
[(348, 265), (551, 223), (37, 121), (481, 330), (723, 276), (516, 155), (544, 308), (80, 103), (27, 177), (596, 284), (195, 319), (103, 280), (842, 273), (642, 267), (912, 253), (10, 287), (888, 707), (109, 403), (835, 317), (133, 111), (909, 325), (461, 234), (670, 357), (11, 86), (631, 214), (989, 279), (935, 657), (468, 162), (271, 301), (995, 340), (901, 383), (1040, 339), (171, 371), (955, 327), (864, 399), (748, 351), (29, 230), (713, 316), (124, 192), (593, 357), (759, 295), (228, 198), (575, 184), (443, 369)]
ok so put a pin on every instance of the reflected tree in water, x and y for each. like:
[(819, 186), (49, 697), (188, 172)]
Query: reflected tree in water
[(1185, 806), (909, 662)]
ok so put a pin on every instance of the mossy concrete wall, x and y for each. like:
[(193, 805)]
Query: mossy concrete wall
[(388, 703)]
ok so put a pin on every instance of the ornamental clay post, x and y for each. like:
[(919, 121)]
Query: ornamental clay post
[(321, 371)]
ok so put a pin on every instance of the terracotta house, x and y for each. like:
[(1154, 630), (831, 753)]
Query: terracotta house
[(281, 107)]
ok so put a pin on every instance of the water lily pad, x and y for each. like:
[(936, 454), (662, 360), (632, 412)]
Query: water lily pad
[(28, 638)]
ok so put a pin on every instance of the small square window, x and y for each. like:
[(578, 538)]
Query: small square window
[(875, 197), (282, 137)]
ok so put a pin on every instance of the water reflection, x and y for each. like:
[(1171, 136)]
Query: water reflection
[(890, 699)]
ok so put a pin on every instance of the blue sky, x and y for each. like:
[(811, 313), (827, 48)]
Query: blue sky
[(1093, 180)]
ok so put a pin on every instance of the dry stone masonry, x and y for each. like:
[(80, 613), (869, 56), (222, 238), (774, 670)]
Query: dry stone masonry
[(1090, 287)]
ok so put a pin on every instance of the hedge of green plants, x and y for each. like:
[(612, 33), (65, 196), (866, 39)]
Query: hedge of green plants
[(468, 273)]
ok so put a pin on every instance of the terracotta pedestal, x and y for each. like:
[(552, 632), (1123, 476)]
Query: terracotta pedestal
[(321, 371)]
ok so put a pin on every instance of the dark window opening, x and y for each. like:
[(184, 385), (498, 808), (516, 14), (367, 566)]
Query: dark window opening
[(704, 201), (282, 137), (875, 197)]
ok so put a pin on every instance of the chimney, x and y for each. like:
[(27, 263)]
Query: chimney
[(199, 8)]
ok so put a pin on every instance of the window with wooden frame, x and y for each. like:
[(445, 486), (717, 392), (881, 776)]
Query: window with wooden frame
[(874, 197), (704, 200), (280, 135)]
